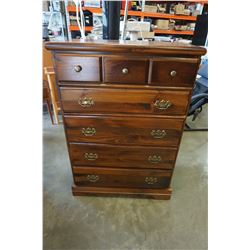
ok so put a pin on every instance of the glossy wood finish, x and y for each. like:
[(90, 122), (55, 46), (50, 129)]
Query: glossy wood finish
[(124, 105), (89, 67), (104, 155), (159, 194), (107, 100), (124, 130), (185, 68), (125, 70), (107, 177), (130, 48)]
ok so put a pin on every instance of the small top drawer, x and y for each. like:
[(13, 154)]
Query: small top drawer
[(174, 72), (77, 68), (125, 70)]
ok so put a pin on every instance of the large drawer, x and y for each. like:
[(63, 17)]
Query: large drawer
[(174, 72), (78, 68), (122, 156), (124, 130), (105, 100), (125, 70), (109, 177)]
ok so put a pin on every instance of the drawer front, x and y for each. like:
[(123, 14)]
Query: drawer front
[(174, 72), (77, 68), (108, 177), (124, 70), (105, 100), (124, 130), (122, 156)]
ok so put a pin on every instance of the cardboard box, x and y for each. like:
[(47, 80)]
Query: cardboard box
[(150, 8), (147, 35), (136, 26), (179, 9), (186, 12), (162, 24)]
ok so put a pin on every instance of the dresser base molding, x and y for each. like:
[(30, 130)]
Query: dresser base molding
[(160, 194)]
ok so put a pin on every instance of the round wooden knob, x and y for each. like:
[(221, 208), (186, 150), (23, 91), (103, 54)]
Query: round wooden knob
[(173, 73), (78, 68), (125, 71)]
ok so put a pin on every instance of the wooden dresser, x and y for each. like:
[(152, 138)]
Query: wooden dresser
[(124, 106)]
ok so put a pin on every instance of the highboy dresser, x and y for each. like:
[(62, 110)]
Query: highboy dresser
[(124, 106)]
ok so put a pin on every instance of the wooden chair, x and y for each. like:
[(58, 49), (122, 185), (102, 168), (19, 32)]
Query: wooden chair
[(50, 84), (47, 99), (49, 71)]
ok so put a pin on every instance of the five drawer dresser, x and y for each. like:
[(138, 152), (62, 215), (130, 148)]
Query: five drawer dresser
[(124, 106)]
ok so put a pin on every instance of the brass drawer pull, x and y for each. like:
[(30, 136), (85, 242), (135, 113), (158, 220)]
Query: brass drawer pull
[(162, 104), (151, 180), (88, 131), (92, 178), (154, 159), (86, 102), (158, 134), (124, 71), (78, 68), (91, 156), (173, 73)]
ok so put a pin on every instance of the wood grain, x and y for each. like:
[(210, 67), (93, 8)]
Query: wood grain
[(107, 100), (124, 130), (127, 47), (90, 65), (98, 177), (185, 68), (137, 70), (122, 156), (109, 116), (149, 193)]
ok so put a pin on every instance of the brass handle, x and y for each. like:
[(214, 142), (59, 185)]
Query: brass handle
[(88, 131), (92, 178), (173, 73), (151, 180), (154, 159), (158, 134), (78, 68), (162, 104), (124, 71), (91, 156), (86, 102)]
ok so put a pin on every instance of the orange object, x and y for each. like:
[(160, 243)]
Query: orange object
[(93, 10), (174, 32), (124, 3), (159, 15), (140, 14), (76, 28)]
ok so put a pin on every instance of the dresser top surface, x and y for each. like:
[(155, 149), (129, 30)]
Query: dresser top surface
[(126, 46)]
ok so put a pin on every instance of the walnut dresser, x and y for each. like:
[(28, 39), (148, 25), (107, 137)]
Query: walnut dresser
[(124, 106)]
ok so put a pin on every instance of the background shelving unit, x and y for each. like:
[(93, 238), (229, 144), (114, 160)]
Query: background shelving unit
[(174, 32), (142, 15)]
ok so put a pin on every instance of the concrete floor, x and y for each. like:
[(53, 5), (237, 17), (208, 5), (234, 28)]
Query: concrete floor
[(201, 121), (123, 223)]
